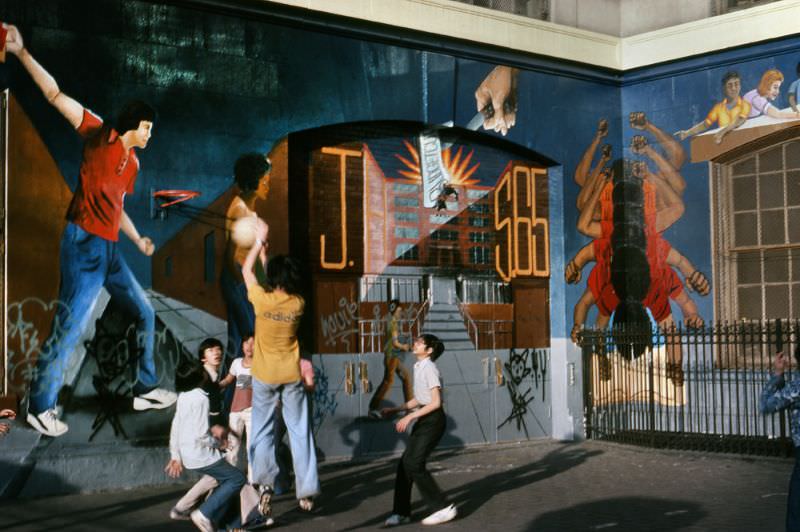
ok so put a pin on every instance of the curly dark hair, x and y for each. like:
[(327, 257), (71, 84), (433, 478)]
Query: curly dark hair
[(249, 169)]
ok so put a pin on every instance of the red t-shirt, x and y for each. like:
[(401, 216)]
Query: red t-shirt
[(664, 282), (108, 172)]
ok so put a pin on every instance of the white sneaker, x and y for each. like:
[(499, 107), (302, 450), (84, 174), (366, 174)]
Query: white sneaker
[(179, 515), (396, 519), (442, 516), (47, 423), (202, 522), (155, 399)]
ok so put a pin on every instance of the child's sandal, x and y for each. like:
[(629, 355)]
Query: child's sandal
[(306, 504)]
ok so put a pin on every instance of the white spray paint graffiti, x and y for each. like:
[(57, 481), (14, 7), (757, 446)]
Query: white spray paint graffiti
[(342, 325)]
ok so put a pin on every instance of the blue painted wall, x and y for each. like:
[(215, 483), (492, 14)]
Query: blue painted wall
[(224, 85)]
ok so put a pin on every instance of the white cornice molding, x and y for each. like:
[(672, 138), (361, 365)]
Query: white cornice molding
[(770, 21), (523, 34)]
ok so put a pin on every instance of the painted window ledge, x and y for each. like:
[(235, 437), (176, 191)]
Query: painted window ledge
[(486, 26)]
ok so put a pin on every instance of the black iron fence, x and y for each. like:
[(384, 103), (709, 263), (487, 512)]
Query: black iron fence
[(686, 388)]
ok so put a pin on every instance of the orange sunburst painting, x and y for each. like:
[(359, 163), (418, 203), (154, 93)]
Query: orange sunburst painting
[(457, 168)]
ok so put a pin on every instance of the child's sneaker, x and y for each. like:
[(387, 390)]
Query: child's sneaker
[(156, 399), (179, 515), (47, 423), (442, 516), (397, 519), (202, 522), (264, 500)]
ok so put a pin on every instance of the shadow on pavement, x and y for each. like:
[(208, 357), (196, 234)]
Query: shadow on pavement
[(622, 513), (81, 518), (471, 496)]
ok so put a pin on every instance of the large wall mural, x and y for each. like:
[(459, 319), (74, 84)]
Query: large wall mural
[(392, 173), (363, 161)]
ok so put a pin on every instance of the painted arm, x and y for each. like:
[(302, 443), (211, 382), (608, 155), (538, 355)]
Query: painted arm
[(719, 135), (586, 225), (672, 177), (582, 170), (782, 113), (597, 176), (580, 312), (793, 102), (694, 130), (689, 310), (71, 109), (144, 244), (227, 381), (259, 249), (572, 273), (673, 207)]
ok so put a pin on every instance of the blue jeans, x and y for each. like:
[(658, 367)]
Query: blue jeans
[(241, 316), (793, 503), (230, 481), (89, 263), (301, 440)]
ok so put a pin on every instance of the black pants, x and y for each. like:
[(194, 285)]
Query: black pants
[(427, 432)]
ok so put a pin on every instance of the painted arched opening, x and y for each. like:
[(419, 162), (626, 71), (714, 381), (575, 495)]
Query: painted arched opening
[(427, 215)]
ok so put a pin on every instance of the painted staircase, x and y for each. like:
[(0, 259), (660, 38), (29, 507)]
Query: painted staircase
[(445, 321)]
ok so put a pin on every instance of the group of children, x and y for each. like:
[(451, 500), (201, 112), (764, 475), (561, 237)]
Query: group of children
[(272, 385), (199, 441)]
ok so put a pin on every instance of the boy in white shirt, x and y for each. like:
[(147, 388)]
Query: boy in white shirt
[(194, 445), (426, 408)]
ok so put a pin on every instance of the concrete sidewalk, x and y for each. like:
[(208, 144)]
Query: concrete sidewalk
[(541, 485)]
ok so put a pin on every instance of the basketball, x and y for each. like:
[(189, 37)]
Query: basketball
[(243, 232)]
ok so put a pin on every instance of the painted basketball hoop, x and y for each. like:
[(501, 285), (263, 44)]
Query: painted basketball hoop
[(161, 199), (173, 197)]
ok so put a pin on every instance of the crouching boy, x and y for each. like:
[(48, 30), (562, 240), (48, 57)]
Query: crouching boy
[(194, 445)]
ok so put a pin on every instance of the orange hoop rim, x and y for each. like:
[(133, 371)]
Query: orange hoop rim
[(178, 196)]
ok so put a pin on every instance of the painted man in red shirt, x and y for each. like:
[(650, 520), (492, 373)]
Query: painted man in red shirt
[(90, 257)]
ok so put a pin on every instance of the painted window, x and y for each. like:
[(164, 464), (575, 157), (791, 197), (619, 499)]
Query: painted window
[(478, 221), (443, 234), (407, 252), (406, 217), (406, 232), (757, 253), (406, 202), (481, 237), (480, 255), (405, 188)]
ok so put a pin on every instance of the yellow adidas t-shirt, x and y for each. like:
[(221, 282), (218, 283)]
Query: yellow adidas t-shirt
[(276, 359)]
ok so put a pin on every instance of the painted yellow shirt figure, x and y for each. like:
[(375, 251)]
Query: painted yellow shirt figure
[(723, 116), (276, 358)]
